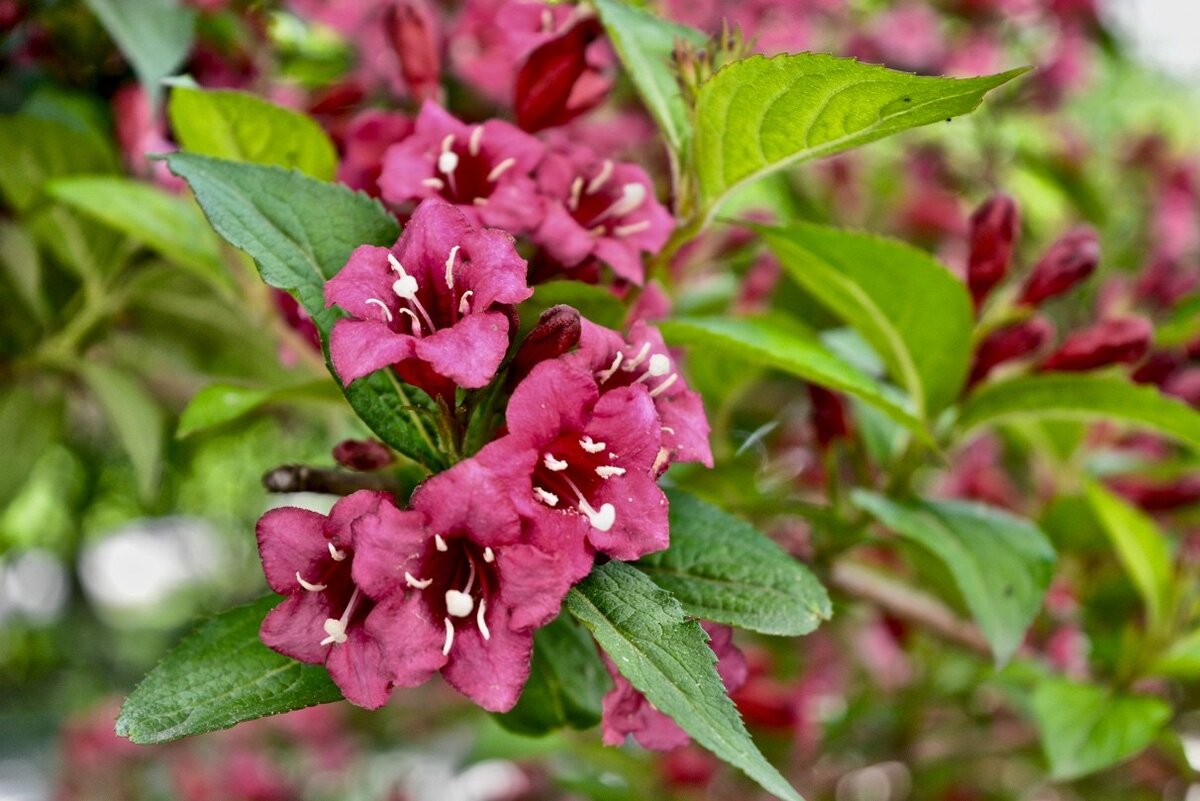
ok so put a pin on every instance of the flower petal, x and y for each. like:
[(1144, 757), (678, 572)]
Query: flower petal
[(360, 347), (490, 672), (469, 352), (290, 541), (411, 640)]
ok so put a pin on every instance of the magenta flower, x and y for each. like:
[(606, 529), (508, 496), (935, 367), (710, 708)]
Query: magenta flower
[(435, 306), (462, 585), (600, 208), (582, 463), (309, 558), (367, 137), (493, 38), (644, 360), (483, 169), (626, 711)]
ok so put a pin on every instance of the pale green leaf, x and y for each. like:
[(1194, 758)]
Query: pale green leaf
[(218, 404), (135, 417), (37, 150), (1182, 659), (154, 35)]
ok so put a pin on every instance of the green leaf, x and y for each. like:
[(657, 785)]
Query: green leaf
[(136, 419), (1141, 547), (761, 114), (790, 347), (1181, 326), (20, 261), (645, 44), (28, 426), (1000, 564), (168, 224), (1085, 728), (723, 569), (300, 232), (218, 404), (665, 656), (911, 310), (232, 125), (155, 36), (37, 150), (1182, 659), (219, 676), (567, 682), (1081, 397)]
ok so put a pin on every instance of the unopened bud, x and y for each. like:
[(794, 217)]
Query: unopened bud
[(994, 229), (1120, 340), (412, 31), (1069, 260), (363, 455), (556, 332), (556, 83), (1009, 343), (829, 418)]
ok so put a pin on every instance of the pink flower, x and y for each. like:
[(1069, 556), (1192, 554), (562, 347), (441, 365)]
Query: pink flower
[(462, 584), (483, 169), (493, 38), (626, 711), (563, 77), (582, 463), (601, 208), (309, 558), (140, 132), (435, 306), (366, 138), (643, 359)]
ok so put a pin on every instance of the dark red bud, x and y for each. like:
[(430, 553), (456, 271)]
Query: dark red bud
[(1185, 385), (412, 30), (296, 318), (556, 332), (1157, 368), (994, 229), (1069, 260), (1156, 496), (828, 415), (1009, 343), (363, 455), (1120, 340), (556, 83)]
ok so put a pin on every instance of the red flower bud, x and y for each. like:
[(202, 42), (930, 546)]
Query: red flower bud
[(1118, 340), (556, 332), (1185, 385), (296, 318), (412, 30), (1157, 368), (1069, 260), (994, 229), (363, 455), (828, 415), (556, 83), (1009, 343), (1157, 496)]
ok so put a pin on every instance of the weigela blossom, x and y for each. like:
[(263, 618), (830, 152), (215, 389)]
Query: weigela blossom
[(600, 208), (485, 170), (579, 462), (309, 558), (626, 711), (435, 306), (493, 37), (462, 584), (643, 360)]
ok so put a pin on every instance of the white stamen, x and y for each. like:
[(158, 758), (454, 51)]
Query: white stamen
[(336, 631), (548, 498), (661, 388), (607, 471), (440, 543), (483, 629), (436, 184), (604, 375), (660, 364), (632, 196), (636, 361), (416, 321), (471, 577), (659, 460), (591, 446), (601, 520), (576, 191), (500, 169), (459, 604), (547, 20), (447, 162), (387, 313), (405, 287), (475, 140), (669, 430), (479, 201), (449, 637), (464, 304), (551, 463), (396, 265), (489, 555), (310, 587), (631, 229), (335, 554), (450, 267), (606, 171), (416, 583), (447, 143)]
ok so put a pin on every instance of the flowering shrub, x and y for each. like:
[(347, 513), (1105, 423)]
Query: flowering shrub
[(639, 354)]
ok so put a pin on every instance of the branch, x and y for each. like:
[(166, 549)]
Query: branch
[(328, 481), (908, 604)]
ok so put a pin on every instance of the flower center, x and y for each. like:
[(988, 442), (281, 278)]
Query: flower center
[(643, 367), (439, 309), (461, 576), (464, 173), (600, 204), (570, 475)]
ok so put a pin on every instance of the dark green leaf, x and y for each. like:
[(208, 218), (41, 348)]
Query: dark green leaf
[(1000, 564), (762, 114), (154, 35), (665, 656), (912, 311), (567, 682), (1086, 728), (723, 569), (219, 676)]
